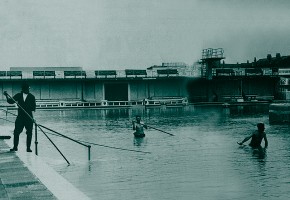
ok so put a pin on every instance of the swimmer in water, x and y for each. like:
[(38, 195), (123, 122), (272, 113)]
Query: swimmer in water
[(138, 127), (257, 137)]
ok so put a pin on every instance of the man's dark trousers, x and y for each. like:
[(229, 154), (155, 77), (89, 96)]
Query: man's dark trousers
[(20, 123)]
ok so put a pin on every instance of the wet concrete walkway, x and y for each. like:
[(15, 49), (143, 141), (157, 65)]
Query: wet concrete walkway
[(24, 176), (16, 180)]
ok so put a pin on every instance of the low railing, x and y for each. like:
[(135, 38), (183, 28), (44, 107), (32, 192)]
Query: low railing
[(169, 101), (247, 97), (122, 103), (85, 104)]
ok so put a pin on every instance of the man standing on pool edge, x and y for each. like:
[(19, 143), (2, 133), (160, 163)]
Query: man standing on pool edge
[(27, 104), (257, 137)]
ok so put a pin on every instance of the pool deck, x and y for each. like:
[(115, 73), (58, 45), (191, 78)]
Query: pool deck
[(25, 176)]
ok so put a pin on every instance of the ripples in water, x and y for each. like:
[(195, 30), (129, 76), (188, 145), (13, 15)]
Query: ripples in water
[(202, 160)]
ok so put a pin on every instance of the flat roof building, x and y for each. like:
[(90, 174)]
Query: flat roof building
[(46, 69)]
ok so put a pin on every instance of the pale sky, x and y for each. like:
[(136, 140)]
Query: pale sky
[(136, 34)]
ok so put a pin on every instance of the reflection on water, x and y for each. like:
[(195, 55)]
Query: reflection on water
[(139, 141), (202, 160), (258, 153)]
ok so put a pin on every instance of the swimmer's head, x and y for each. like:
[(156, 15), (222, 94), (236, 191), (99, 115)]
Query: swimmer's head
[(138, 117), (261, 126)]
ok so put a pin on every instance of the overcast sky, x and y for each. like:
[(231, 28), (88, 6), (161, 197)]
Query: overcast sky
[(120, 34)]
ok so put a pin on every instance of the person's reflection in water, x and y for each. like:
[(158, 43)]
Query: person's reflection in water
[(260, 153), (138, 141), (260, 160)]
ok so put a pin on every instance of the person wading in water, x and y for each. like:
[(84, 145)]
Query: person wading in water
[(138, 127), (257, 137)]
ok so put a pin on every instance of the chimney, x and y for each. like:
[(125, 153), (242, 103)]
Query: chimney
[(269, 57), (278, 55)]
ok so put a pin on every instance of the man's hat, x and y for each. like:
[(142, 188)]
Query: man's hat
[(24, 86)]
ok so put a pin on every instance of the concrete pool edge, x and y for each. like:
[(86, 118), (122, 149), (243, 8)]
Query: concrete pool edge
[(55, 183)]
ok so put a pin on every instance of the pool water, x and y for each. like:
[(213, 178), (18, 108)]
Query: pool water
[(201, 161)]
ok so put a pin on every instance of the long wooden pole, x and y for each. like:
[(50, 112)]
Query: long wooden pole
[(160, 130)]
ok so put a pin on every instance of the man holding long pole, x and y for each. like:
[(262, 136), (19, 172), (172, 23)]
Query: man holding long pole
[(26, 105)]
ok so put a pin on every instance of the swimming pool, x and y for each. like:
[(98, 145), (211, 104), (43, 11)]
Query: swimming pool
[(202, 160)]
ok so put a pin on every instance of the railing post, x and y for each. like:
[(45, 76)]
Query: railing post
[(89, 151), (36, 142)]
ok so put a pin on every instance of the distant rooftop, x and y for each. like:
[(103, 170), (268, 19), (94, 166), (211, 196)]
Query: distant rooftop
[(46, 68), (168, 65)]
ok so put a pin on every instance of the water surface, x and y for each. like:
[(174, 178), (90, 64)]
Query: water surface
[(202, 160)]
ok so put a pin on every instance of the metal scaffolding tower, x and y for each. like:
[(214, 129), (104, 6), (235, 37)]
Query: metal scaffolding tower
[(211, 58)]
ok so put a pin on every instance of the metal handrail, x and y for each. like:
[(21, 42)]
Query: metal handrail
[(88, 146), (53, 144)]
